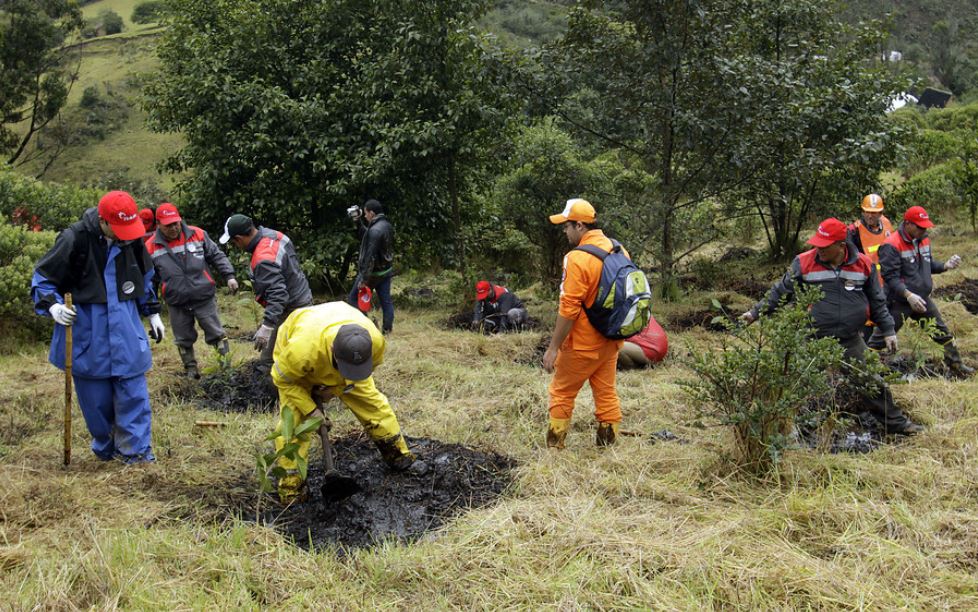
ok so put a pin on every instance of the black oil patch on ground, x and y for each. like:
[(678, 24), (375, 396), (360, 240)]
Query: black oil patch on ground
[(965, 292), (390, 505), (699, 318), (245, 388), (463, 320)]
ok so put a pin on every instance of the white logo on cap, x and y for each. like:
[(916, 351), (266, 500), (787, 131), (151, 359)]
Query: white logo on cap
[(923, 215), (822, 232), (169, 213), (125, 218)]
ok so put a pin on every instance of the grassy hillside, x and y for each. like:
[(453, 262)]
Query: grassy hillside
[(650, 523)]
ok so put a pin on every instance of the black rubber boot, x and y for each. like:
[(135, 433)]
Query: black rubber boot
[(952, 359), (189, 361)]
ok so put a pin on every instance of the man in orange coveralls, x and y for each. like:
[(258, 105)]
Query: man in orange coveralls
[(578, 352)]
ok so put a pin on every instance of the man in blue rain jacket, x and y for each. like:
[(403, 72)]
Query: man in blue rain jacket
[(102, 262)]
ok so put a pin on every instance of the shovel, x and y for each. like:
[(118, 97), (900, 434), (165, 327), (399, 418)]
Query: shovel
[(336, 487)]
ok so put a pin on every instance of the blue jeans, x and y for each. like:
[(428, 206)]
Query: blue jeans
[(383, 292)]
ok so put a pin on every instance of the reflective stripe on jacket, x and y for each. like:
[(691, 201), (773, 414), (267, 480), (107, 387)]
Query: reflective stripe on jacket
[(183, 265), (907, 265), (278, 280), (851, 293)]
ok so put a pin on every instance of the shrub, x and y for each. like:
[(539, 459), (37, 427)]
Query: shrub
[(930, 147), (111, 21), (20, 249), (147, 12), (954, 118), (761, 378), (49, 205), (936, 189)]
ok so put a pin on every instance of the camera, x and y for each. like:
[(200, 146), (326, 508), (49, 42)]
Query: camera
[(353, 212)]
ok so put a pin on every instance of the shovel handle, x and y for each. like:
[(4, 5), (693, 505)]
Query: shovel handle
[(67, 418), (327, 448)]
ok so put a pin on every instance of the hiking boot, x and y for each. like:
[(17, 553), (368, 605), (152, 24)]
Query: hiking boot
[(557, 433), (192, 372), (952, 359), (607, 434)]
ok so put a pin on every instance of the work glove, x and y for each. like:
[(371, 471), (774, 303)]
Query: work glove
[(262, 335), (891, 343), (748, 317), (917, 303), (62, 314), (233, 285), (156, 328), (953, 263)]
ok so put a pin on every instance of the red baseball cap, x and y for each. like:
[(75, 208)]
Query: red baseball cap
[(167, 213), (364, 295), (482, 290), (148, 219), (829, 232), (118, 209), (918, 216)]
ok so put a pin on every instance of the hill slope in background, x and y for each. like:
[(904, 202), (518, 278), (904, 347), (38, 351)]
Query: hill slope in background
[(115, 65)]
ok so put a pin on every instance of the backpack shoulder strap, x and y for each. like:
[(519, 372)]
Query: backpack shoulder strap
[(593, 250)]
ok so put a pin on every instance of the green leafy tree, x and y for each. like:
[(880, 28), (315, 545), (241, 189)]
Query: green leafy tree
[(294, 111), (36, 70), (659, 82), (820, 138)]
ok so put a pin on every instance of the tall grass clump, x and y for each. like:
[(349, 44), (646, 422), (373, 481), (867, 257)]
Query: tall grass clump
[(760, 378)]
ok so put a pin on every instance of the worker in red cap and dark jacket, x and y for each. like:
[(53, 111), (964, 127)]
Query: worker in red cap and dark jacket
[(183, 255), (850, 288), (497, 308), (907, 264), (100, 260)]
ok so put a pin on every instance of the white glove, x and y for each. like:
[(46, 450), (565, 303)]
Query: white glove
[(156, 329), (233, 285), (953, 263), (262, 335), (62, 314), (917, 303), (748, 317), (891, 343)]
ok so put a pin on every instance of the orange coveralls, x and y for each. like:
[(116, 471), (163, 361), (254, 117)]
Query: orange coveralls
[(585, 355)]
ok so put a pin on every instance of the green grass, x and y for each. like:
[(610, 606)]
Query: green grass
[(640, 525)]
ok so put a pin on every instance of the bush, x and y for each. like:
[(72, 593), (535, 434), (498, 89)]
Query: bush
[(48, 205), (954, 118), (111, 21), (762, 377), (936, 189), (20, 249), (147, 12), (930, 147)]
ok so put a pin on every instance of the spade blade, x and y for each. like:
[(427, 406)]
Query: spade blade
[(337, 487)]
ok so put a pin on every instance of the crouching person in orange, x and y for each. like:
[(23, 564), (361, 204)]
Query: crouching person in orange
[(578, 352), (333, 346)]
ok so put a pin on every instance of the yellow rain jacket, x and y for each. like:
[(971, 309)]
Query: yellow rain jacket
[(303, 359)]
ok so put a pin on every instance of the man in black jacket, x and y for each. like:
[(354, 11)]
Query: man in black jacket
[(276, 276), (851, 288), (497, 308), (375, 266)]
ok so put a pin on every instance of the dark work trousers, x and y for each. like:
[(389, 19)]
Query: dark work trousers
[(383, 292), (205, 314), (877, 398), (901, 311)]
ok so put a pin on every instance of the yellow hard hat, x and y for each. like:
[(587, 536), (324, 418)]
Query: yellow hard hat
[(873, 203)]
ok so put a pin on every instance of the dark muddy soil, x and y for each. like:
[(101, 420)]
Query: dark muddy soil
[(390, 505), (246, 388), (837, 422), (910, 369), (966, 292), (463, 320), (699, 318)]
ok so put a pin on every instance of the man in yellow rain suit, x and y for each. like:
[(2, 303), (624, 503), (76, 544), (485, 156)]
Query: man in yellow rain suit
[(334, 348)]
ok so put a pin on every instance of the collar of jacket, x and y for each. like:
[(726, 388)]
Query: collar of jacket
[(852, 254), (904, 237), (377, 218), (254, 241), (161, 240)]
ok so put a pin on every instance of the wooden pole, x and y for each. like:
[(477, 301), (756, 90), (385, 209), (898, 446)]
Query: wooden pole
[(67, 444)]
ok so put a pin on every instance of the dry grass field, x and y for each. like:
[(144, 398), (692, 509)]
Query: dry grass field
[(649, 523)]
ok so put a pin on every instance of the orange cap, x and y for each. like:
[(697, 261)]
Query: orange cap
[(575, 210)]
